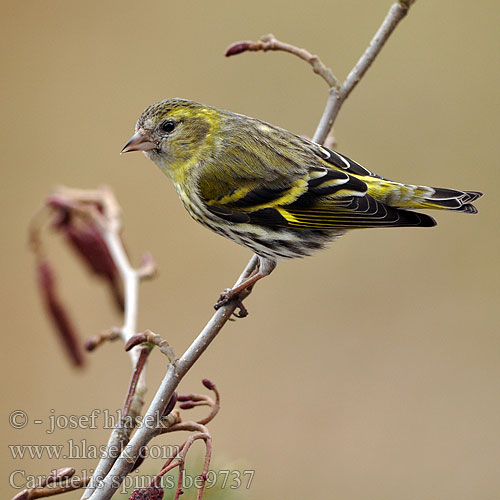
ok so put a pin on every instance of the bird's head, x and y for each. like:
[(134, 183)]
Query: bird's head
[(175, 133)]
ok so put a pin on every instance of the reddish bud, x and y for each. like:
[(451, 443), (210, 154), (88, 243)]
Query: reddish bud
[(187, 406), (208, 384), (64, 473), (238, 48), (90, 344), (136, 339), (60, 475), (140, 459), (58, 312), (149, 493), (184, 397), (87, 241), (171, 404)]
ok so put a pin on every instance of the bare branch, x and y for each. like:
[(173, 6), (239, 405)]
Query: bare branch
[(148, 267), (180, 458), (189, 401), (61, 481), (336, 97), (338, 93), (136, 374), (171, 380), (269, 42), (152, 338), (105, 336)]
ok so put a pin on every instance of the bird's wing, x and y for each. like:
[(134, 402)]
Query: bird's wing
[(311, 193), (343, 163)]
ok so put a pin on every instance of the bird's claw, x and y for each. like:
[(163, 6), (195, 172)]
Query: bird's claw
[(228, 296), (225, 298), (242, 310)]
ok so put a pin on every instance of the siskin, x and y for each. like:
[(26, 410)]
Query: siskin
[(272, 191)]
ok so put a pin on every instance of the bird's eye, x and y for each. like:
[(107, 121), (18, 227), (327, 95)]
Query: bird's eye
[(167, 126)]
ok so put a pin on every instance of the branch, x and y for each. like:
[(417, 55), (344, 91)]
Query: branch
[(134, 382), (337, 93), (61, 481), (180, 458), (269, 42), (104, 490), (101, 208), (336, 97), (154, 339), (109, 335)]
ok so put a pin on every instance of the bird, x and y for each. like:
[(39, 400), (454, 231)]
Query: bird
[(277, 193)]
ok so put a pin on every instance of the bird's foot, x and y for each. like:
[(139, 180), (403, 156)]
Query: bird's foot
[(230, 295)]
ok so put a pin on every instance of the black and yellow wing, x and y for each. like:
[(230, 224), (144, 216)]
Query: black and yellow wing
[(310, 190)]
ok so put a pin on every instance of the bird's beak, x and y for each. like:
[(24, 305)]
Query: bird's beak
[(139, 142)]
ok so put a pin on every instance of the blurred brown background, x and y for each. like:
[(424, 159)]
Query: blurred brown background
[(369, 371)]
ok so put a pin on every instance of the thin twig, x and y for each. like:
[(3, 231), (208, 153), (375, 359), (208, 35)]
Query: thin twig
[(337, 93), (179, 459), (192, 400), (152, 338), (44, 492), (174, 375), (336, 97), (270, 42), (105, 336), (136, 375)]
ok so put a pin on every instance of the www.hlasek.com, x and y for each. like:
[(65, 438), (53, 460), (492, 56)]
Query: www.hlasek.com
[(79, 450), (222, 479)]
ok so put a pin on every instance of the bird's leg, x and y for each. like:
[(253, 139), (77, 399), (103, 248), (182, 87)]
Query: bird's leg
[(266, 267)]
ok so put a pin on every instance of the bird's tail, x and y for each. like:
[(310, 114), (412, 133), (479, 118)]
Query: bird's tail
[(423, 197), (451, 199)]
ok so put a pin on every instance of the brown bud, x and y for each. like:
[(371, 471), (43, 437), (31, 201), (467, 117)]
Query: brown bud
[(140, 459), (208, 384), (149, 493), (84, 236), (58, 313), (238, 48), (59, 475), (91, 344), (136, 339), (64, 473), (187, 405), (171, 404), (87, 241)]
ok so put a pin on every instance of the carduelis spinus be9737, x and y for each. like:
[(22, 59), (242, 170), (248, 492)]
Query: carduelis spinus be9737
[(272, 191)]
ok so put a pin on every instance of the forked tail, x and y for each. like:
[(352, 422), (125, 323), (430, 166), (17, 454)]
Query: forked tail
[(450, 199)]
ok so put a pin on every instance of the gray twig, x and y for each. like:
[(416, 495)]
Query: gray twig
[(175, 373), (337, 96), (270, 42)]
